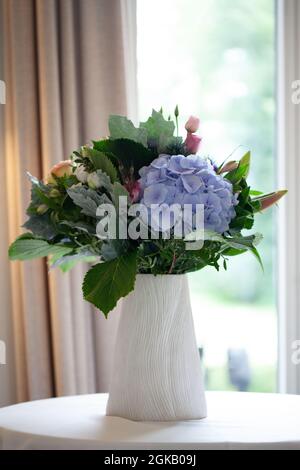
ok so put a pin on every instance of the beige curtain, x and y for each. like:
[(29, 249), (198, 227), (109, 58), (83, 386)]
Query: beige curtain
[(64, 68)]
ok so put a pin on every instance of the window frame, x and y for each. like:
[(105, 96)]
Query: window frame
[(288, 145)]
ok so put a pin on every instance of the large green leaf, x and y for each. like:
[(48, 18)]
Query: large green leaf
[(122, 128), (129, 154), (105, 283), (29, 248), (157, 126)]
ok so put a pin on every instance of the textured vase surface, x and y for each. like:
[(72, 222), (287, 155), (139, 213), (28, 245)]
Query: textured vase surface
[(157, 373)]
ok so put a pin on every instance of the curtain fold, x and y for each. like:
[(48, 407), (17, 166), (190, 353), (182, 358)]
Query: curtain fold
[(64, 65)]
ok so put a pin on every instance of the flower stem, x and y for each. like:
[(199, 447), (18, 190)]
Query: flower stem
[(173, 264), (176, 119)]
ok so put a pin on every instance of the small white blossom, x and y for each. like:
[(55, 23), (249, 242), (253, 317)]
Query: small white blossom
[(81, 174), (94, 181)]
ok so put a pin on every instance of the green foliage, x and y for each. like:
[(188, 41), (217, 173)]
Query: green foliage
[(27, 247), (41, 225), (87, 199), (122, 128), (157, 125), (112, 249), (160, 132), (241, 172), (67, 262), (102, 162), (62, 215), (245, 210), (105, 283), (171, 257), (132, 156)]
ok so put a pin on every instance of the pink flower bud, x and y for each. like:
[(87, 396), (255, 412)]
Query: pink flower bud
[(230, 166), (192, 142), (269, 199), (192, 124), (63, 168), (134, 189)]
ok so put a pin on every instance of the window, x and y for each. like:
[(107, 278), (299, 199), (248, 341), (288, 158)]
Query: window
[(216, 59)]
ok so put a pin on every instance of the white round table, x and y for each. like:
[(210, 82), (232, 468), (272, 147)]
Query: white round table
[(236, 421)]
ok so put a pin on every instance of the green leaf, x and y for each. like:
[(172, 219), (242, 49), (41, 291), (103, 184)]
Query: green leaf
[(80, 226), (235, 176), (68, 262), (102, 162), (105, 283), (112, 249), (41, 226), (254, 192), (87, 199), (233, 252), (129, 154), (245, 161), (39, 195), (242, 243), (30, 248), (257, 256), (157, 127), (118, 190), (122, 128), (242, 171)]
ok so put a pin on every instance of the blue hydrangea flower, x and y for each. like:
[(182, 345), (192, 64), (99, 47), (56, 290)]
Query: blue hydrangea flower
[(192, 180)]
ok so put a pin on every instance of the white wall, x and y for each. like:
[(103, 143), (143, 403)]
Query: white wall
[(7, 380)]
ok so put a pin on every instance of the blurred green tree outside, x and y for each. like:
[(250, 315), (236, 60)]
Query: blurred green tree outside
[(216, 59)]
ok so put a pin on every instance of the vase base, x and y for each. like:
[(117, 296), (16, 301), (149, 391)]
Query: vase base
[(157, 373)]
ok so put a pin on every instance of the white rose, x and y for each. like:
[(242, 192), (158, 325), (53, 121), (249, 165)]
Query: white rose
[(94, 180), (81, 174)]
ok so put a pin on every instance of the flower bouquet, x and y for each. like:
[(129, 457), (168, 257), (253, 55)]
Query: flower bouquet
[(145, 208)]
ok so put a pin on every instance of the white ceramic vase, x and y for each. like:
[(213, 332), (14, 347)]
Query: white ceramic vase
[(157, 373)]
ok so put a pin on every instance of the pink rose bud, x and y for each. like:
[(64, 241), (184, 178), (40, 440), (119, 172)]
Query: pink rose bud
[(63, 168), (192, 142), (269, 199), (230, 166), (192, 124)]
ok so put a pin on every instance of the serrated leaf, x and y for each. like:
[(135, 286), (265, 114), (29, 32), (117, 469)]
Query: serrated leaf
[(87, 199), (122, 128), (157, 126), (105, 283), (102, 162), (25, 249)]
